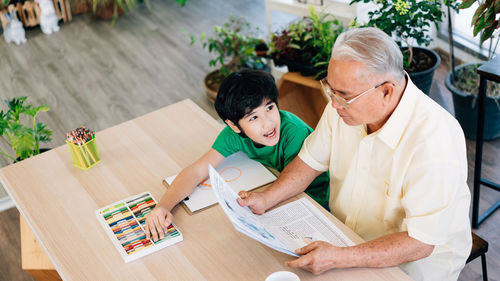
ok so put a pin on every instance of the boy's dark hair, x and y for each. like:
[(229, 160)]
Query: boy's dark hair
[(243, 91)]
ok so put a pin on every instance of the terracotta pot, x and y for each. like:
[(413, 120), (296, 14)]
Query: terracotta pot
[(105, 11), (79, 7), (211, 83)]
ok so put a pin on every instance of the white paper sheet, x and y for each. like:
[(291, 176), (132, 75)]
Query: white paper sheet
[(283, 228), (239, 171)]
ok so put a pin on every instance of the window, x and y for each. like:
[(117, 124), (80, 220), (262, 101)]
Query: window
[(463, 33)]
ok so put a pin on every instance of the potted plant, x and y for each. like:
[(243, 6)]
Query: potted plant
[(234, 46), (79, 6), (408, 21), (110, 9), (20, 130), (463, 80), (305, 45)]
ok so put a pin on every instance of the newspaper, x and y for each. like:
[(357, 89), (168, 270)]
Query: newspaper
[(283, 229)]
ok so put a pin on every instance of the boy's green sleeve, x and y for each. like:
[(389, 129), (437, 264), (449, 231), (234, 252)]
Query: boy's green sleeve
[(226, 142), (319, 189)]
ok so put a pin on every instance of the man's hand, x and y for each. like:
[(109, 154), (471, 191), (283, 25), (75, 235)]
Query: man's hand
[(318, 257), (157, 223), (256, 201)]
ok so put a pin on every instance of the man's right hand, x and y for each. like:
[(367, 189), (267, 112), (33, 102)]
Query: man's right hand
[(157, 223), (256, 201)]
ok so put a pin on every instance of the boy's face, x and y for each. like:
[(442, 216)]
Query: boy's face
[(262, 125)]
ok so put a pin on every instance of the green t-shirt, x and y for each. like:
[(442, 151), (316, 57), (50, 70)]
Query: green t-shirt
[(292, 134)]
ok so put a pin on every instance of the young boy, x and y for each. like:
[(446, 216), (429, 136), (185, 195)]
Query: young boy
[(248, 102)]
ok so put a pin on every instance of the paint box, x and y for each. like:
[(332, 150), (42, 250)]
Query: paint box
[(124, 221)]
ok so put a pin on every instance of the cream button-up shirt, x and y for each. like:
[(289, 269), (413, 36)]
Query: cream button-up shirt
[(410, 175)]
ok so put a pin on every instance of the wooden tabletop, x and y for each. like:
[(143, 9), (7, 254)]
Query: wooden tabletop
[(58, 202)]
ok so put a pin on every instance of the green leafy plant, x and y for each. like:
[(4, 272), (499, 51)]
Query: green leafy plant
[(469, 82), (307, 41), (485, 21), (20, 130), (409, 21), (234, 44)]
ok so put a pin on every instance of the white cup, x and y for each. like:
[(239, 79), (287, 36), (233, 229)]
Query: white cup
[(283, 276)]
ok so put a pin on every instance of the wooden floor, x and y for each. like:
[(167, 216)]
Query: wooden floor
[(93, 75)]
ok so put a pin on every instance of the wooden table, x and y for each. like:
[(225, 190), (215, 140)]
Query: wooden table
[(58, 202)]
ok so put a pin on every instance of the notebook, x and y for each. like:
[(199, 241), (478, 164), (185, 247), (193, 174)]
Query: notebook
[(239, 171)]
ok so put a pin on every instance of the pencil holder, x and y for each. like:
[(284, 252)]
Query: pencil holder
[(84, 156)]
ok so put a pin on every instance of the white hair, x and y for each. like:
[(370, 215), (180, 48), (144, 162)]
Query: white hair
[(372, 47)]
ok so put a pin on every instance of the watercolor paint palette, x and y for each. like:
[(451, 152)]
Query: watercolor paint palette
[(124, 223)]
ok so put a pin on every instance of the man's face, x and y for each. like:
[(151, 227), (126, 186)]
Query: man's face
[(349, 79), (262, 125)]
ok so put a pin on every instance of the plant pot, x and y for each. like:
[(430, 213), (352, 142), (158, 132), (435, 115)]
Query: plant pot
[(42, 150), (261, 49), (466, 111), (79, 7), (211, 83), (423, 79), (296, 66), (213, 79), (105, 11)]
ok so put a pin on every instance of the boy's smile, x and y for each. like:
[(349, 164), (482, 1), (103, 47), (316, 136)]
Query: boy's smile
[(262, 124)]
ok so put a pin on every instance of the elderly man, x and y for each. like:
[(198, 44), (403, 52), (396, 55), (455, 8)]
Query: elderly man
[(397, 163)]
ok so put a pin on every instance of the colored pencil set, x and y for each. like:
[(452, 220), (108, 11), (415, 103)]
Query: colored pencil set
[(83, 148), (124, 223)]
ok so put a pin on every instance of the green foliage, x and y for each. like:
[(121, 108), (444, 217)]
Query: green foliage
[(308, 40), (234, 44), (408, 21), (485, 20), (468, 82), (20, 130)]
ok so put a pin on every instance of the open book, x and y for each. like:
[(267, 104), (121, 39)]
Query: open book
[(283, 228), (239, 171)]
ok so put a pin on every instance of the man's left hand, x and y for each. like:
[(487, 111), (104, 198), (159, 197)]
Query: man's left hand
[(317, 257)]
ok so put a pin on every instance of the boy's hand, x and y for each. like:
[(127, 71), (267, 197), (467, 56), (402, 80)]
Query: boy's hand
[(256, 201), (157, 222)]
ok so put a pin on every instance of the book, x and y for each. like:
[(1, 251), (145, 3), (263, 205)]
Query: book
[(239, 171), (124, 220), (285, 228)]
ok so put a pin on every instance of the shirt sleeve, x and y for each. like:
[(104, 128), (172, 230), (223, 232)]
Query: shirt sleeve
[(293, 142), (433, 194), (227, 142), (316, 149)]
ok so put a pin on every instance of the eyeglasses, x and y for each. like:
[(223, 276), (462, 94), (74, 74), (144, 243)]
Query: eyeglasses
[(340, 100)]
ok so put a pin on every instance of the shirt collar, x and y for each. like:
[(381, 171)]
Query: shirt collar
[(392, 130)]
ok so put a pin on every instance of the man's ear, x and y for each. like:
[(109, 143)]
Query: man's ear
[(233, 126), (388, 90)]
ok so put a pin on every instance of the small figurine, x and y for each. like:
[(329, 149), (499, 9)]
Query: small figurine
[(48, 17), (14, 31)]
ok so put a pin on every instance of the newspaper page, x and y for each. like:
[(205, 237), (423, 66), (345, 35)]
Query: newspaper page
[(283, 228)]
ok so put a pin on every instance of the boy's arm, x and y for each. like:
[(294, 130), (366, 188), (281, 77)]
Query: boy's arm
[(183, 185)]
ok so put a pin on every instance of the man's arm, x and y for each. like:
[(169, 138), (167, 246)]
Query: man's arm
[(294, 179), (389, 250)]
